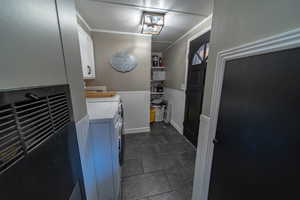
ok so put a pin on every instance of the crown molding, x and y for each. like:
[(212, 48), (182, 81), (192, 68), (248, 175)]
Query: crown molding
[(149, 8), (120, 32), (189, 31), (161, 41), (108, 31), (83, 21), (145, 35)]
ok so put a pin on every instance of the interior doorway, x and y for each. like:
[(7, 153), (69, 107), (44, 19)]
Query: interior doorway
[(197, 64)]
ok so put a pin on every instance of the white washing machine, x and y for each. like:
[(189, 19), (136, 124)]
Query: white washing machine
[(106, 125)]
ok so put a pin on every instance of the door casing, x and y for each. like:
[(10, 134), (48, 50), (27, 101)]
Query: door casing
[(278, 42), (189, 58)]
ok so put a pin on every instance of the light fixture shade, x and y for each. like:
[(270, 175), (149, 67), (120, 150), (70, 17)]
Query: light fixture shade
[(152, 23), (151, 29)]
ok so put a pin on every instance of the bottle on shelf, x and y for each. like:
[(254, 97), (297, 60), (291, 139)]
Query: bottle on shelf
[(160, 62), (160, 88), (155, 61)]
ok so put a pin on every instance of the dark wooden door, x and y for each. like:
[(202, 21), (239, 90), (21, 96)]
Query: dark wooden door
[(257, 154), (198, 54)]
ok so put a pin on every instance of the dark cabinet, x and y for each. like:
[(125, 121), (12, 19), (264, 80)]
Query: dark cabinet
[(39, 45)]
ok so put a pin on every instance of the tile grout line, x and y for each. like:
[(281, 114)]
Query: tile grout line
[(167, 179), (159, 194), (146, 173), (158, 153), (166, 192)]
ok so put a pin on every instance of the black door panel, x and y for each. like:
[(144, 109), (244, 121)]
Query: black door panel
[(258, 128), (195, 86)]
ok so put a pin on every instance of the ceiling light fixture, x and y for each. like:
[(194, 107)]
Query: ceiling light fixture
[(152, 23)]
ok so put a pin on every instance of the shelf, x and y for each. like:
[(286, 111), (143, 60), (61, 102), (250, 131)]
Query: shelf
[(160, 68), (157, 93)]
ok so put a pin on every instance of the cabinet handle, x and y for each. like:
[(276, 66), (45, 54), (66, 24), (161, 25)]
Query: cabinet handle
[(89, 70), (32, 96)]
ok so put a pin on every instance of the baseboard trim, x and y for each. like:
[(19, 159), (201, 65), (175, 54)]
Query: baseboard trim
[(133, 92), (137, 130), (176, 126)]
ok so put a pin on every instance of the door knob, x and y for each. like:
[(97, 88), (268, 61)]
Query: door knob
[(216, 141)]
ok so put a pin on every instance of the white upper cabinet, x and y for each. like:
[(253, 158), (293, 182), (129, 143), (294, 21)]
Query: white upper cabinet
[(87, 54)]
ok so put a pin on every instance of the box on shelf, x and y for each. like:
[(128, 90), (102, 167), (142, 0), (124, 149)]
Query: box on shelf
[(159, 113), (159, 75), (152, 115)]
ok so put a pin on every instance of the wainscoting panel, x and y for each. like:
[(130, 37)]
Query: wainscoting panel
[(137, 111), (176, 98)]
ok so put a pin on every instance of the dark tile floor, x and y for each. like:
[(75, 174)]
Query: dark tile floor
[(158, 165)]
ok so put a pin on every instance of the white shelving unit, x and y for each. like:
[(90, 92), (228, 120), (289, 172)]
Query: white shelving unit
[(157, 89), (157, 81)]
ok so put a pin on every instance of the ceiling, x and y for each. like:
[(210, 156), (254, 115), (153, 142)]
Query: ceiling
[(125, 16)]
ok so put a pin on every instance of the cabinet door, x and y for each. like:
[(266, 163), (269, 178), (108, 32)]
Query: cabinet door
[(91, 61), (87, 54), (83, 50)]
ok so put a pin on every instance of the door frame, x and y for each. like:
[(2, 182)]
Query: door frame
[(187, 60), (278, 42), (195, 36)]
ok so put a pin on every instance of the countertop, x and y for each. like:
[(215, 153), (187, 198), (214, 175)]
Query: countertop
[(115, 98)]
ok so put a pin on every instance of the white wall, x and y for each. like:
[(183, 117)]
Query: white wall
[(137, 110), (176, 98)]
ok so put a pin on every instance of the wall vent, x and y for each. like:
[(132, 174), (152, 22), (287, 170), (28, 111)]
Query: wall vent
[(28, 122), (34, 121), (11, 149), (59, 110)]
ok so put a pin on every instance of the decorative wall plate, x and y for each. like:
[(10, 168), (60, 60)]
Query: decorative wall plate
[(123, 62)]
